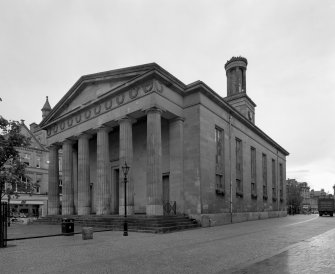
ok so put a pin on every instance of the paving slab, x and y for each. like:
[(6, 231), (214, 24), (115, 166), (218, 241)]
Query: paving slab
[(222, 249)]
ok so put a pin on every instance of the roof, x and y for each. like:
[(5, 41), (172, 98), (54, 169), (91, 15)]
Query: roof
[(137, 73)]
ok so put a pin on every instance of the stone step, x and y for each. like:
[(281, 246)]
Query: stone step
[(152, 224)]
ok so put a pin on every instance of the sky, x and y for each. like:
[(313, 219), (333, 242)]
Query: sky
[(45, 46)]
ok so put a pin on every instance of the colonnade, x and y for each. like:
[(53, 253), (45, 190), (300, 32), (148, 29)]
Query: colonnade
[(79, 196)]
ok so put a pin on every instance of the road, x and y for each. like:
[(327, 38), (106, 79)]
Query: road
[(293, 244)]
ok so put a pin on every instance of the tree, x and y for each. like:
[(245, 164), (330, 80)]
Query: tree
[(12, 170), (294, 198)]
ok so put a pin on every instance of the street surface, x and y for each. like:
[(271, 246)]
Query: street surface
[(293, 244)]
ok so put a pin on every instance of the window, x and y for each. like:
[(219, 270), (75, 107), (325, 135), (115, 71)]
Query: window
[(219, 184), (219, 161), (26, 159), (265, 176), (23, 186), (60, 186), (239, 162), (281, 181), (253, 172), (274, 185), (60, 164), (38, 162)]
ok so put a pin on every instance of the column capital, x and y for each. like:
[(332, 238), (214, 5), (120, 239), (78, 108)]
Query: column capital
[(103, 128), (154, 109), (178, 118), (54, 145), (126, 119), (69, 141), (84, 135)]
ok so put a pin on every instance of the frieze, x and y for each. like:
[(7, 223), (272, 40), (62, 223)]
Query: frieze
[(97, 109), (153, 86), (133, 92), (78, 118), (120, 98), (101, 108), (88, 114), (108, 104), (70, 122), (55, 128)]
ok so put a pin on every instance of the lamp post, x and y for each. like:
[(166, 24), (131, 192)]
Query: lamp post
[(125, 170), (8, 209)]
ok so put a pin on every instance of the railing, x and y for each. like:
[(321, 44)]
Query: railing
[(169, 208), (3, 224)]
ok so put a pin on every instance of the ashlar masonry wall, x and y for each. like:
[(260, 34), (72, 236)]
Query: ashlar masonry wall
[(215, 208)]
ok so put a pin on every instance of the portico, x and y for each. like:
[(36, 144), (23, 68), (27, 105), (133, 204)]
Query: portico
[(97, 134)]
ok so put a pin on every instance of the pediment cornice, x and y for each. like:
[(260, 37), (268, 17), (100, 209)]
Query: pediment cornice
[(102, 105), (131, 76)]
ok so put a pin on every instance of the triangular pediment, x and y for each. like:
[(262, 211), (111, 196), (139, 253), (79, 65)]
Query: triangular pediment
[(90, 92), (91, 88)]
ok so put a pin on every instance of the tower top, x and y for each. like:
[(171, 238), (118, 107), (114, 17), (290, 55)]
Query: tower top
[(238, 61), (46, 105), (236, 69), (46, 108)]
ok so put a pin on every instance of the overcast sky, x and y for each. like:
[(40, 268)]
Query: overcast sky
[(45, 46)]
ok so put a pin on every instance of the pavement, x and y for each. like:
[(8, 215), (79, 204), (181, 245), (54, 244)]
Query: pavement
[(293, 244)]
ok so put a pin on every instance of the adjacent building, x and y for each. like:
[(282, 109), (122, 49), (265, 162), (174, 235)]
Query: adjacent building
[(36, 157), (188, 148)]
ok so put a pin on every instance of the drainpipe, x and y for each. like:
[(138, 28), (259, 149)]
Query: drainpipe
[(230, 173), (278, 184)]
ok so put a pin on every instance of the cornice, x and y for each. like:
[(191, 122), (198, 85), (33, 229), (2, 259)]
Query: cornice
[(203, 88), (136, 72), (239, 96), (103, 105)]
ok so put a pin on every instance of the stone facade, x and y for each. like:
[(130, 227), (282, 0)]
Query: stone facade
[(179, 141), (36, 157)]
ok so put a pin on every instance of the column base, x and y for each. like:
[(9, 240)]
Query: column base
[(102, 211), (53, 211), (84, 211), (154, 210), (130, 210), (67, 211)]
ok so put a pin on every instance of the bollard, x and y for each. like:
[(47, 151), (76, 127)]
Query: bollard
[(87, 233)]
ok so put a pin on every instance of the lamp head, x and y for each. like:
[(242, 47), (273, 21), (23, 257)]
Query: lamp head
[(125, 168)]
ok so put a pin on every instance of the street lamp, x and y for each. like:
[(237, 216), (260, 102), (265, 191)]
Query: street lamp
[(125, 170)]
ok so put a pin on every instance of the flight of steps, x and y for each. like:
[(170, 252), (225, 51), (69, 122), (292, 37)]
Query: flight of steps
[(137, 223)]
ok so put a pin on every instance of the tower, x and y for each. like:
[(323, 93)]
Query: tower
[(237, 96), (46, 109)]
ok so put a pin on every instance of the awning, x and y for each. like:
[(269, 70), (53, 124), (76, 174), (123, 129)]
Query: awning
[(26, 202)]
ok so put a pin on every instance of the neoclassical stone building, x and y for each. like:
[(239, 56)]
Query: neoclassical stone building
[(183, 143)]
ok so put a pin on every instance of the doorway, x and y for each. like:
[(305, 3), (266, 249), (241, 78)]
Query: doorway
[(166, 188), (115, 190)]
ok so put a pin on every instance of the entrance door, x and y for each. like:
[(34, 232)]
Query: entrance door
[(115, 190), (166, 189)]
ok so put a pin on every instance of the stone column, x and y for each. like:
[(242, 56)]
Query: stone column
[(53, 181), (67, 191), (75, 179), (126, 154), (103, 188), (176, 138), (84, 204), (154, 163)]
